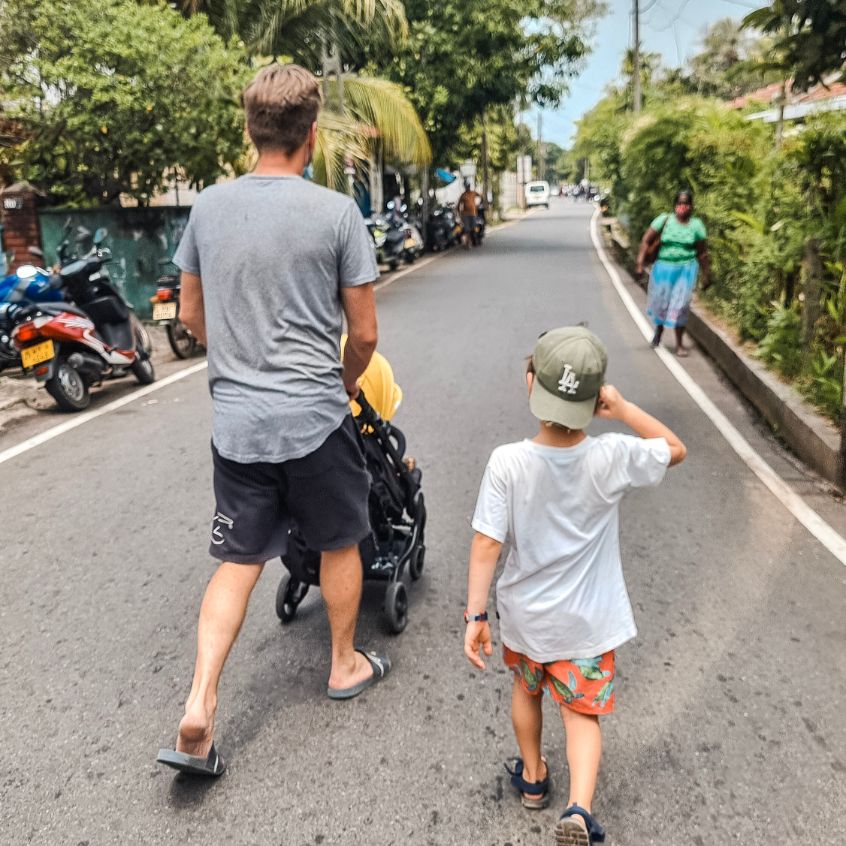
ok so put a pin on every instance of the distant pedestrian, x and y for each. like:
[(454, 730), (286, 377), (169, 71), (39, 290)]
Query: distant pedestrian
[(271, 263), (677, 243), (561, 599), (468, 208)]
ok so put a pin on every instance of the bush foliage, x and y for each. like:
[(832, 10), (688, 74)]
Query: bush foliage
[(776, 219)]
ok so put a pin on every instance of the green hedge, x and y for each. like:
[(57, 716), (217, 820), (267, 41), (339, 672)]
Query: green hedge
[(776, 221)]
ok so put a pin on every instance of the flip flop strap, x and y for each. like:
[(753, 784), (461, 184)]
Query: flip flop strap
[(375, 662), (596, 832)]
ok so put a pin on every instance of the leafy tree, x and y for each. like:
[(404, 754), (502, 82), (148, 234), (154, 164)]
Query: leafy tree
[(302, 31), (363, 115), (732, 61), (810, 37), (112, 97), (465, 57)]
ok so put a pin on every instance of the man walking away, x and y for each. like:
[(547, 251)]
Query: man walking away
[(270, 262), (468, 208)]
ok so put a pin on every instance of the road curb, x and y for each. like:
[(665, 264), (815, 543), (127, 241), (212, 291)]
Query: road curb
[(806, 432)]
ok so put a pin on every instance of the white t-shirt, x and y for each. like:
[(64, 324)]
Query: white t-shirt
[(562, 594)]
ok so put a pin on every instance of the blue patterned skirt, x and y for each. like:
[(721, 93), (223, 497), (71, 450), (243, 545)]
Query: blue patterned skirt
[(670, 290)]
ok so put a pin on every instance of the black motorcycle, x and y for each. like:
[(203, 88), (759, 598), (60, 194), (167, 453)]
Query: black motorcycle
[(166, 310), (441, 232)]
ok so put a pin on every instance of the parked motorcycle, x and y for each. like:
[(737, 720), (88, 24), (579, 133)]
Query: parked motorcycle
[(443, 231), (481, 225), (166, 310), (30, 284), (388, 240), (71, 346), (412, 241)]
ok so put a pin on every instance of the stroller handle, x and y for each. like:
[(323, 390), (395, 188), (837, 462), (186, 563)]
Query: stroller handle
[(367, 411)]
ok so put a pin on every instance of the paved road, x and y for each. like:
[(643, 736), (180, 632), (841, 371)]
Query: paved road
[(730, 715)]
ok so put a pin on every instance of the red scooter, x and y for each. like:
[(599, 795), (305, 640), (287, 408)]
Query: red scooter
[(72, 346)]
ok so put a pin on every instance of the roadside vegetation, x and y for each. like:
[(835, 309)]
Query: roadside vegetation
[(773, 197), (114, 100)]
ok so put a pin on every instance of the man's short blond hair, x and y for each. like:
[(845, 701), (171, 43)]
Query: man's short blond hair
[(281, 104)]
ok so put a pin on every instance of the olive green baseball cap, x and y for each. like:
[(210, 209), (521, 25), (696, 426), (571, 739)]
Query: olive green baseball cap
[(569, 366)]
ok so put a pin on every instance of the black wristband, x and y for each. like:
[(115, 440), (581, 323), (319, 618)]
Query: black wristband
[(476, 618)]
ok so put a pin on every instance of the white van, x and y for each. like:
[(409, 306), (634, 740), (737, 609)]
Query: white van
[(537, 194)]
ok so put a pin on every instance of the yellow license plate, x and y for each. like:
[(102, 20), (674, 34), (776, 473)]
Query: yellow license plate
[(409, 244), (37, 354), (164, 311)]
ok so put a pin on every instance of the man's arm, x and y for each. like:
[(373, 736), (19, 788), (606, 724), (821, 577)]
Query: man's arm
[(359, 304), (191, 310)]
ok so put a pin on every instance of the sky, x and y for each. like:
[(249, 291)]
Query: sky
[(673, 28)]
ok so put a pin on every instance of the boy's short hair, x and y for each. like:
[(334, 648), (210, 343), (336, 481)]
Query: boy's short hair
[(281, 104)]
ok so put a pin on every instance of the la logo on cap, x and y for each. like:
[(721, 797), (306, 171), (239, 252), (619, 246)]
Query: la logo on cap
[(569, 383)]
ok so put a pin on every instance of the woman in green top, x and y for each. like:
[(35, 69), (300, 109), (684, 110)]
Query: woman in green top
[(682, 249)]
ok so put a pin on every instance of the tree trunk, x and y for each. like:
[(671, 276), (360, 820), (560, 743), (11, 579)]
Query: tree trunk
[(812, 288)]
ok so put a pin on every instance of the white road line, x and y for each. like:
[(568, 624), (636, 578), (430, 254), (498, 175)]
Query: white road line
[(80, 419), (816, 525)]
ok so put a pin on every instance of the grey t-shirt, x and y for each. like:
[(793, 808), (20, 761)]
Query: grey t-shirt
[(273, 253)]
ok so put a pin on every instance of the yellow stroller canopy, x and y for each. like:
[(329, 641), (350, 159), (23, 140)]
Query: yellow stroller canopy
[(378, 384)]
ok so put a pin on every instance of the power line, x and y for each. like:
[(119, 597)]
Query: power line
[(673, 21)]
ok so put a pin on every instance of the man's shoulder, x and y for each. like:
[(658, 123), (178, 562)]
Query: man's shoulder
[(332, 201)]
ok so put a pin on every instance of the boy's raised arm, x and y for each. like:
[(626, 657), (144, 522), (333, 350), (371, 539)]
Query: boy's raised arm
[(613, 406), (484, 553)]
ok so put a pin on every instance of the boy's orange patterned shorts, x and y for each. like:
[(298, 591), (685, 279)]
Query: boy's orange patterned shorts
[(585, 685)]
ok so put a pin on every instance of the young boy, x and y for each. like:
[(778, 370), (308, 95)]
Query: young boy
[(561, 599)]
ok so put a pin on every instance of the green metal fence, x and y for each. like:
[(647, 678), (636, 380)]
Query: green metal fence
[(138, 238)]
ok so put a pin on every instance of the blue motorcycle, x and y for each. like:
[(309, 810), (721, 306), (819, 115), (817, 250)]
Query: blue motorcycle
[(29, 285)]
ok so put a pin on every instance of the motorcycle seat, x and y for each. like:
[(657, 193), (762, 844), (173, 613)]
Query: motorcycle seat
[(58, 308)]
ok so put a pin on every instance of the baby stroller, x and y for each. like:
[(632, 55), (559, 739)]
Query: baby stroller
[(397, 510)]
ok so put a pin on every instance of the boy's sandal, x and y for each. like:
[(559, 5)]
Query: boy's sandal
[(569, 833), (533, 794)]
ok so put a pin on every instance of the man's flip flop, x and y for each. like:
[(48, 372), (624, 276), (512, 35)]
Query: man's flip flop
[(212, 766), (381, 665)]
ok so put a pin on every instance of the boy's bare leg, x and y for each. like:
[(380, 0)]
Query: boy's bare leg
[(340, 584), (584, 750), (527, 719), (221, 615)]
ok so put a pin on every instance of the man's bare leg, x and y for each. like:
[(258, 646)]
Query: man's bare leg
[(221, 615), (340, 584)]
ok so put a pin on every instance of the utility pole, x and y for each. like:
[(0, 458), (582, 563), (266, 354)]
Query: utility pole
[(636, 58), (540, 144)]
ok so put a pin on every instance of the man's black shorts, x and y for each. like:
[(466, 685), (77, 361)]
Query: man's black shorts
[(325, 493)]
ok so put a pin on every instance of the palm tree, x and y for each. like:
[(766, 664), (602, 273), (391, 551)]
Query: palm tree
[(299, 29), (371, 117)]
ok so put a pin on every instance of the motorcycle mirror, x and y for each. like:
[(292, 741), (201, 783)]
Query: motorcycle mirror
[(35, 251), (82, 234), (100, 236)]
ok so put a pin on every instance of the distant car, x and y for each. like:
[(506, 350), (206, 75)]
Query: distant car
[(537, 194)]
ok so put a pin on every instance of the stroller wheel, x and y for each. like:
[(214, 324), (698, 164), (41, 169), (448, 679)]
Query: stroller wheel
[(289, 595), (415, 562), (396, 606)]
